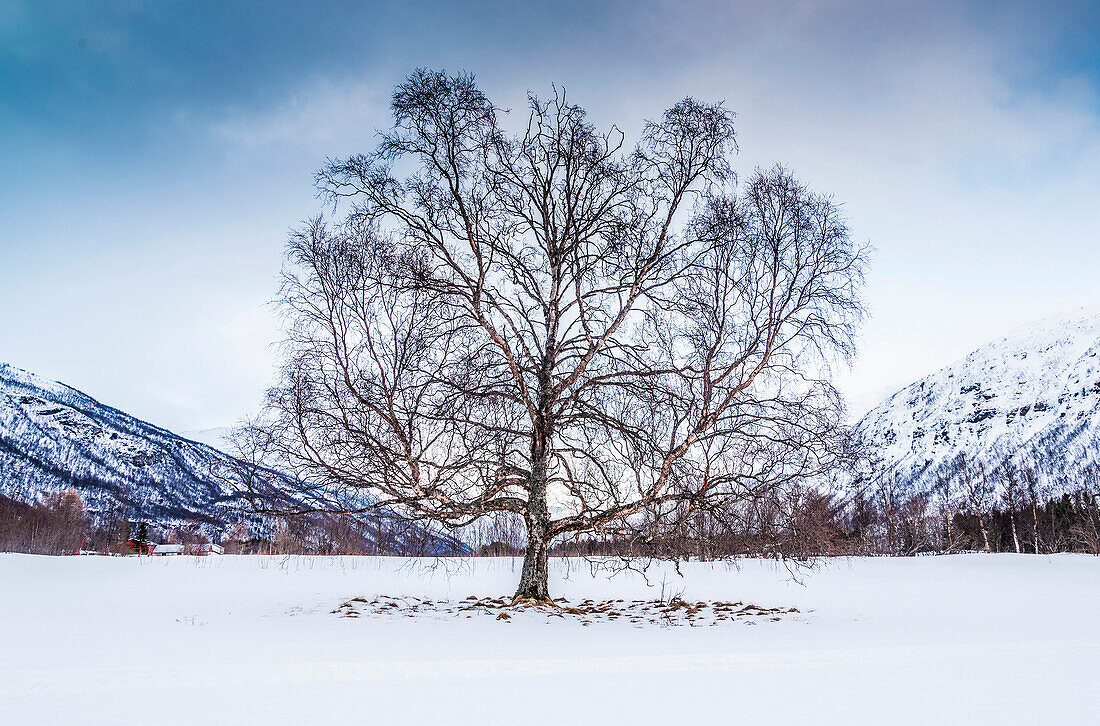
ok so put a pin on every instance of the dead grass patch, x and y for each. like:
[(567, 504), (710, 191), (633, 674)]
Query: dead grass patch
[(639, 613)]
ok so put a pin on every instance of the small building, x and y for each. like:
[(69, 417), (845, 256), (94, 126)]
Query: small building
[(205, 548)]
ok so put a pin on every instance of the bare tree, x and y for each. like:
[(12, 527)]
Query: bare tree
[(944, 496), (1086, 530), (56, 524), (1036, 492), (978, 492), (1010, 497), (557, 326), (891, 499)]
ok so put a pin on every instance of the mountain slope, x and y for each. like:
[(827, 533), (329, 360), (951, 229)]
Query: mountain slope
[(53, 436), (1032, 395)]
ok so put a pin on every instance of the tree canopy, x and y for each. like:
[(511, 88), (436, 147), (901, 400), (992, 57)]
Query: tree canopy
[(557, 325)]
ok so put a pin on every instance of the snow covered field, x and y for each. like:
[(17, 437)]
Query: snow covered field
[(243, 640)]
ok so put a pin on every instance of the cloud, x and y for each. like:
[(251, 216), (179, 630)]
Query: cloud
[(318, 114)]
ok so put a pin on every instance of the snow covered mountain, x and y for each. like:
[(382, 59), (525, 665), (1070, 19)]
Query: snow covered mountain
[(53, 437), (1032, 395)]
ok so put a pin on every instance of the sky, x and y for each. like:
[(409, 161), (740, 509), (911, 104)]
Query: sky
[(153, 157)]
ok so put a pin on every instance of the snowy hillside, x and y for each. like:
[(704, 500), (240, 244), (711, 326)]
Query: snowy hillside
[(1033, 394), (53, 436)]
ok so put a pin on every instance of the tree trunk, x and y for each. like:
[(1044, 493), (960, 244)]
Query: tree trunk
[(947, 522), (534, 580), (1015, 538), (1035, 525), (985, 532)]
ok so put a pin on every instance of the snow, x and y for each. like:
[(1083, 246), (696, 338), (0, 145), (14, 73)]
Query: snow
[(242, 640), (1031, 394), (53, 436), (219, 437)]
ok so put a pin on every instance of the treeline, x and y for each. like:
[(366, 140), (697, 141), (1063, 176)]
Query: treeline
[(973, 507), (1008, 508), (56, 525), (341, 534), (60, 523)]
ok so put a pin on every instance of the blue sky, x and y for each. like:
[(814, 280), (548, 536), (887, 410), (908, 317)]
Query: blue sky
[(153, 156)]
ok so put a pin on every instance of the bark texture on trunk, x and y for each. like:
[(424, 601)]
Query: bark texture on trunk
[(534, 580), (1035, 525)]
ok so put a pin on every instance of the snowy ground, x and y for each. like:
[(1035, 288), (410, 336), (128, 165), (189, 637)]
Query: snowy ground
[(242, 640)]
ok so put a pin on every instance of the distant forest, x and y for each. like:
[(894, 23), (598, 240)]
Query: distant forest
[(1009, 507), (61, 524)]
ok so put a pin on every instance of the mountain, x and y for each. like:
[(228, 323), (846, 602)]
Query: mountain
[(1030, 396), (53, 437), (218, 437)]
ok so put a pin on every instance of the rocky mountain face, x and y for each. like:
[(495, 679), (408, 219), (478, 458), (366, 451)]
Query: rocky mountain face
[(1031, 397)]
